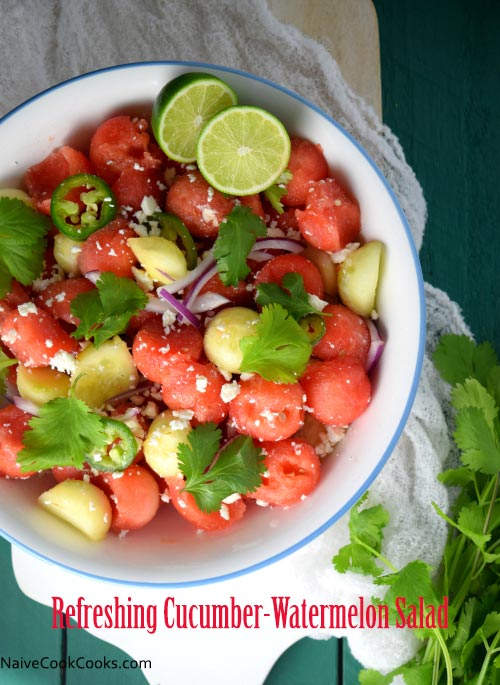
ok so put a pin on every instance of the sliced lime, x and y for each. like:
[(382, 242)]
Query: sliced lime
[(243, 150), (183, 107)]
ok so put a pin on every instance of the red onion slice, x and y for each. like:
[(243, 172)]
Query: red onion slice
[(179, 307), (156, 305), (376, 346), (203, 278), (288, 244), (260, 255), (26, 405), (192, 275), (207, 302)]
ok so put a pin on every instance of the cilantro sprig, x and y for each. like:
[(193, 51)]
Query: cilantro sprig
[(274, 193), (279, 348), (212, 475), (63, 434), (23, 233), (237, 235), (292, 296), (468, 649), (106, 311)]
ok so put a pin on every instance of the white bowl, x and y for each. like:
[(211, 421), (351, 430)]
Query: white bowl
[(169, 552)]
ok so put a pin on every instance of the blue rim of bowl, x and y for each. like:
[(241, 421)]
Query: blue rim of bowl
[(416, 375)]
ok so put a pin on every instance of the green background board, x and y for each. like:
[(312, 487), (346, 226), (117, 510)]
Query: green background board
[(441, 96)]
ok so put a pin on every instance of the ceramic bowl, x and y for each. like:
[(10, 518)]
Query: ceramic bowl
[(169, 552)]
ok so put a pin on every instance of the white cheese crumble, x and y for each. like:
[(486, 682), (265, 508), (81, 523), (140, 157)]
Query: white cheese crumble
[(149, 205), (201, 383), (230, 499), (341, 255), (229, 391), (224, 512), (168, 319), (10, 336), (317, 302), (64, 362), (27, 308)]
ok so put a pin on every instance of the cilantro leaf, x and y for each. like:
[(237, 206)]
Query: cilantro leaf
[(5, 362), (236, 470), (23, 233), (412, 672), (237, 235), (477, 441), (106, 311), (473, 394), (292, 296), (63, 433), (274, 193), (279, 350), (197, 454), (413, 583), (457, 357), (366, 535)]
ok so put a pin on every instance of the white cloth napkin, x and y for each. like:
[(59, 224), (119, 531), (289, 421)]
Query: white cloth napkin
[(44, 43)]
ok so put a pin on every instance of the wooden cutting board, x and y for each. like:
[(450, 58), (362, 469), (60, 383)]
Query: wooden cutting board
[(349, 30)]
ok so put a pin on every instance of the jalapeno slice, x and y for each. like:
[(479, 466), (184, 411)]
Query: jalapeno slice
[(120, 449), (79, 214), (173, 229), (314, 326)]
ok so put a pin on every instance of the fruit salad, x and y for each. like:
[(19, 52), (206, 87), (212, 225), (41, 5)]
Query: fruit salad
[(187, 317)]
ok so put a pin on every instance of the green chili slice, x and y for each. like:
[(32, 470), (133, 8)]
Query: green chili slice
[(120, 449), (173, 229), (82, 204), (314, 326)]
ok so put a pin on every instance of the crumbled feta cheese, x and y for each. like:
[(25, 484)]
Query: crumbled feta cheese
[(341, 255), (168, 319), (224, 512), (149, 205), (49, 343), (328, 439), (64, 362), (317, 302), (229, 391), (230, 499), (10, 337), (184, 414), (27, 308), (201, 383), (209, 216)]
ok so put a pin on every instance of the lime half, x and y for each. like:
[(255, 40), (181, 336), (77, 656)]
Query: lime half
[(183, 107), (243, 150)]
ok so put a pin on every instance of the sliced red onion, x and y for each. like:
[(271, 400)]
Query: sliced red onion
[(93, 276), (26, 405), (376, 346), (260, 255), (203, 278), (288, 244), (156, 305), (207, 302), (179, 307), (192, 275)]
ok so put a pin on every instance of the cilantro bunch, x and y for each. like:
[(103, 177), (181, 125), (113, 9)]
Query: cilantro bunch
[(468, 650)]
